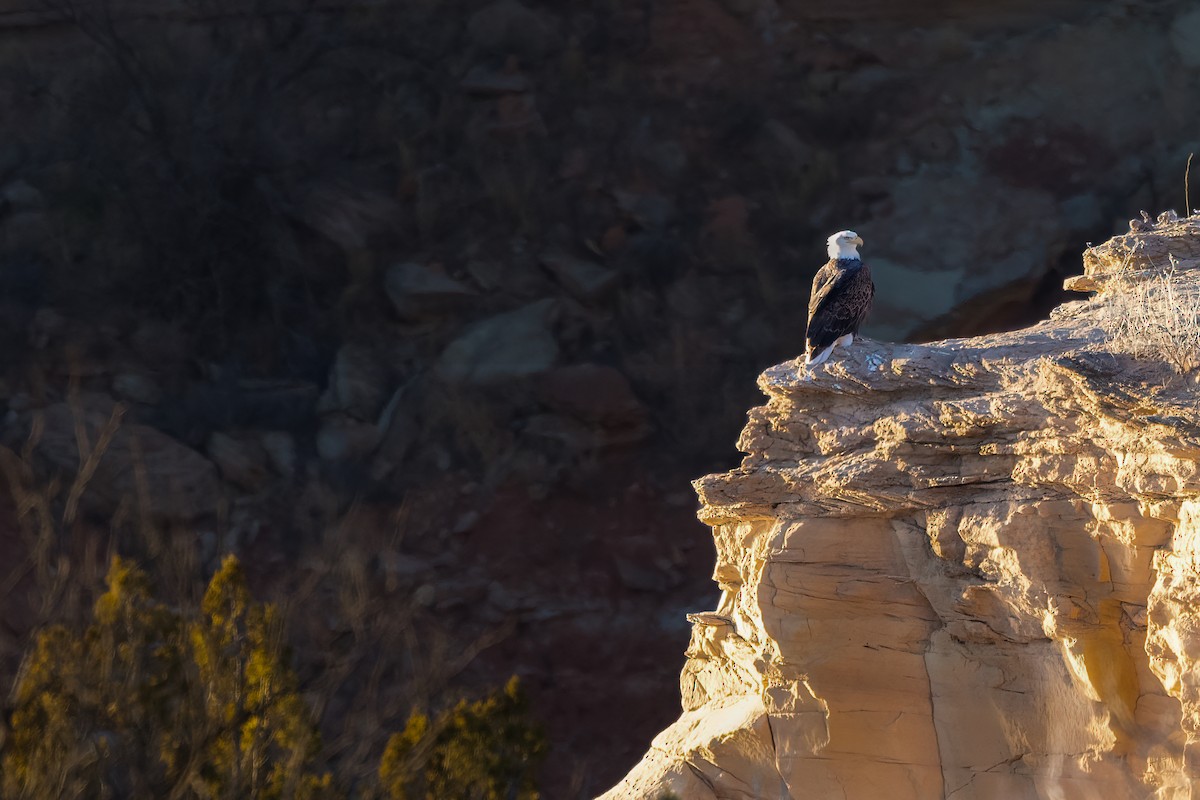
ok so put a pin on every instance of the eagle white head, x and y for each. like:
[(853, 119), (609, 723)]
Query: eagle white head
[(844, 244)]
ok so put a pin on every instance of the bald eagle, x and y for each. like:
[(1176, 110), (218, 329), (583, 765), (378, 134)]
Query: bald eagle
[(841, 297)]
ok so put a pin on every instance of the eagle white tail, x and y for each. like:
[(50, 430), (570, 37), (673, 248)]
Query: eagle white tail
[(811, 361)]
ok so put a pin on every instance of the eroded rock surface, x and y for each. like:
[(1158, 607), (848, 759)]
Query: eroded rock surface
[(967, 569)]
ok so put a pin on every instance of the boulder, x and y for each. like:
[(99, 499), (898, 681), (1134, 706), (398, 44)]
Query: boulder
[(280, 447), (346, 439), (347, 214), (140, 465), (418, 292), (583, 278), (242, 460), (399, 427), (599, 396), (509, 346), (358, 383)]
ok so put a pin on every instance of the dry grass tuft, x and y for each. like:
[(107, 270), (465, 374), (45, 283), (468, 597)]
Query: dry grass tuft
[(1155, 314)]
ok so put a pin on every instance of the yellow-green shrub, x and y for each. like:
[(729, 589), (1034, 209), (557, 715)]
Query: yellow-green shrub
[(150, 702), (486, 750)]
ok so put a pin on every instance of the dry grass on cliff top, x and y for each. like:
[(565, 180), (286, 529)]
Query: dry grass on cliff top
[(1156, 316), (1151, 291)]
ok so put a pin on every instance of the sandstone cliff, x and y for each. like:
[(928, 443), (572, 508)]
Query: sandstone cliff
[(966, 569)]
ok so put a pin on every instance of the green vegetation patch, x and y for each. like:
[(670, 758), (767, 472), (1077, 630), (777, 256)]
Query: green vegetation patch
[(486, 750), (148, 702)]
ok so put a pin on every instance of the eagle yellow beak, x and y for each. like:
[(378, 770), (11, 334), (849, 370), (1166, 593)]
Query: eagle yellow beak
[(857, 240)]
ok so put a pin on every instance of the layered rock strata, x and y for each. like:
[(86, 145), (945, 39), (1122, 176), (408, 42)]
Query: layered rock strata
[(968, 569)]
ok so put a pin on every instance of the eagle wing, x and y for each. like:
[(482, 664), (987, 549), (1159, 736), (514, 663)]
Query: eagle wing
[(839, 303), (823, 282)]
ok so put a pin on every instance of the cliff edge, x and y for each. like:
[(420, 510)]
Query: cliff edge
[(965, 569)]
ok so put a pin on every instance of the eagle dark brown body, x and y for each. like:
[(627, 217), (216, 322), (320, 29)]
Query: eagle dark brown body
[(842, 293)]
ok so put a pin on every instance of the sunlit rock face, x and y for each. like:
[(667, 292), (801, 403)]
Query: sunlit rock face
[(969, 569)]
